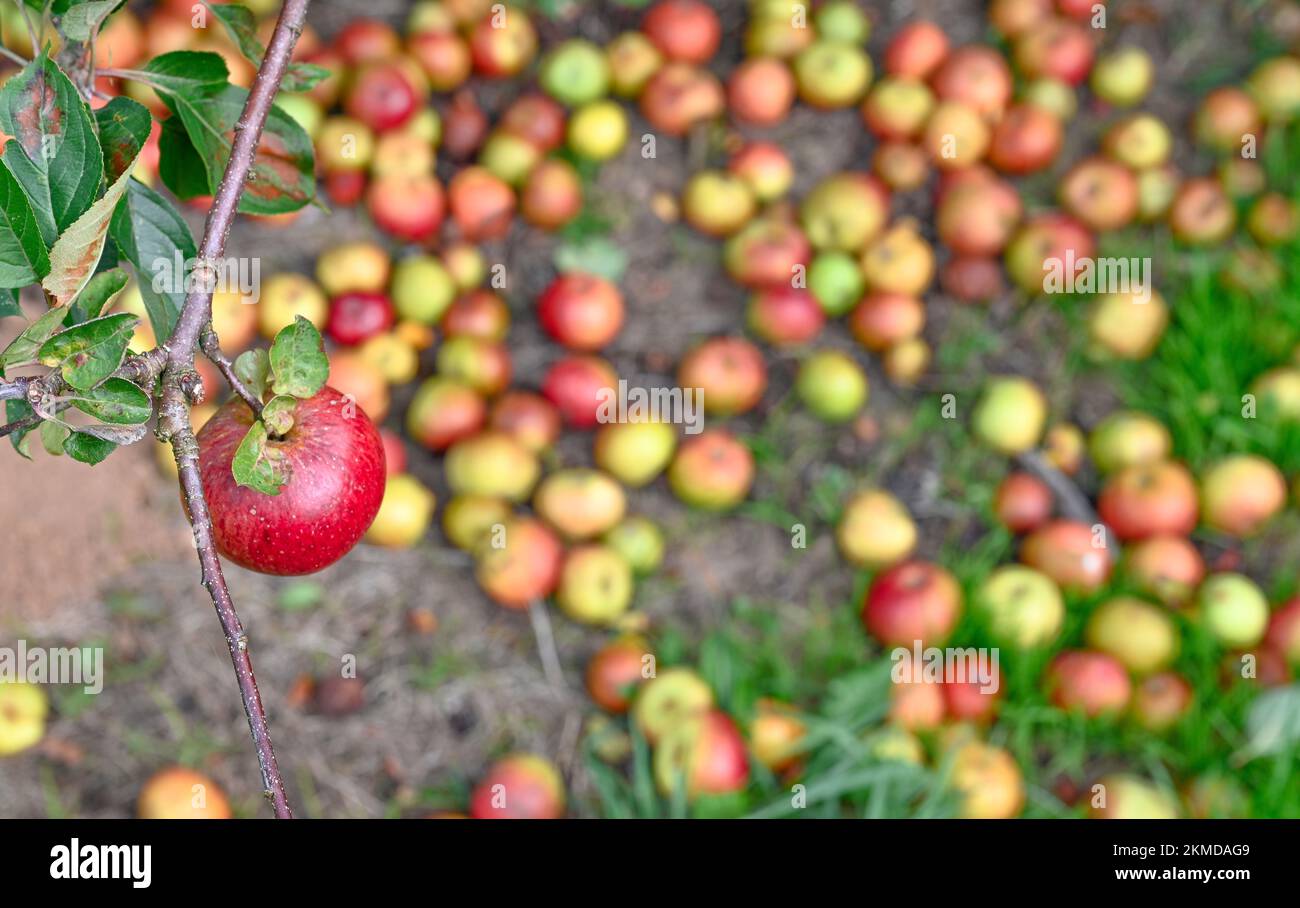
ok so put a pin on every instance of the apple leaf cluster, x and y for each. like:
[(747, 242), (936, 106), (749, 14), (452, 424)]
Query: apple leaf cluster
[(73, 218)]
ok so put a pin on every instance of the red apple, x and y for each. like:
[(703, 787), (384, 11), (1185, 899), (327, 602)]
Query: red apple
[(1167, 567), (537, 118), (528, 418), (730, 372), (552, 195), (503, 42), (712, 471), (1013, 18), (479, 313), (680, 95), (1150, 500), (1046, 240), (978, 217), (519, 563), (520, 786), (464, 126), (1161, 700), (335, 464), (363, 40), (443, 57), (409, 208), (1026, 139), (577, 385), (765, 167), (614, 672), (1056, 49), (882, 320), (766, 253), (1100, 193), (383, 96), (914, 601), (481, 203), (1225, 117), (1067, 551), (785, 316), (582, 311), (977, 76), (972, 279), (683, 30), (916, 50), (760, 91), (1023, 502), (1283, 633), (1202, 214), (443, 412), (355, 317), (1093, 683), (704, 755)]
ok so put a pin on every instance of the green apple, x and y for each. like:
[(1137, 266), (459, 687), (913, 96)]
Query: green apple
[(635, 453), (1122, 796), (491, 464), (832, 385), (1233, 609), (422, 290), (836, 281), (672, 696), (23, 708), (595, 584), (575, 72), (1023, 607), (640, 541), (1010, 415), (1128, 439), (1140, 635)]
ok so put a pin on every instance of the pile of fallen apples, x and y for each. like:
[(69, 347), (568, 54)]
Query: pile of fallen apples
[(959, 125)]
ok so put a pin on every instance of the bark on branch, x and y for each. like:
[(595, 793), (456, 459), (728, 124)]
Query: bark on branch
[(179, 387)]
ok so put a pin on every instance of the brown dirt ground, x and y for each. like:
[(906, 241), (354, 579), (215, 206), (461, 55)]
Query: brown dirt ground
[(101, 555)]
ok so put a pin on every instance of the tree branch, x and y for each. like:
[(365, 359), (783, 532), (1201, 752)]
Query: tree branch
[(180, 389), (27, 422)]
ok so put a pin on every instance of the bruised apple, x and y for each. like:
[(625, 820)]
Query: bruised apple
[(334, 459)]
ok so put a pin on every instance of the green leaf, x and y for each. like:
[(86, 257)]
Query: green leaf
[(87, 448), (187, 71), (55, 156), (83, 21), (258, 464), (26, 347), (253, 368), (90, 352), (53, 435), (148, 231), (124, 127), (282, 177), (1273, 723), (99, 290), (595, 255), (9, 303), (277, 415), (242, 26), (298, 360), (14, 411), (23, 259), (180, 166), (116, 401), (299, 77), (76, 253)]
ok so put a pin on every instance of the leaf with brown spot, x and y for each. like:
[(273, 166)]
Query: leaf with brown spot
[(55, 154), (77, 250), (282, 178)]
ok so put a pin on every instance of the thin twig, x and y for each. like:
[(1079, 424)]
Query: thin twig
[(1074, 503), (10, 55), (211, 346), (179, 385), (29, 421), (546, 643)]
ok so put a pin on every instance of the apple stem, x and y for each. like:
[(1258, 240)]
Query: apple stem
[(546, 643), (211, 347), (181, 387)]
